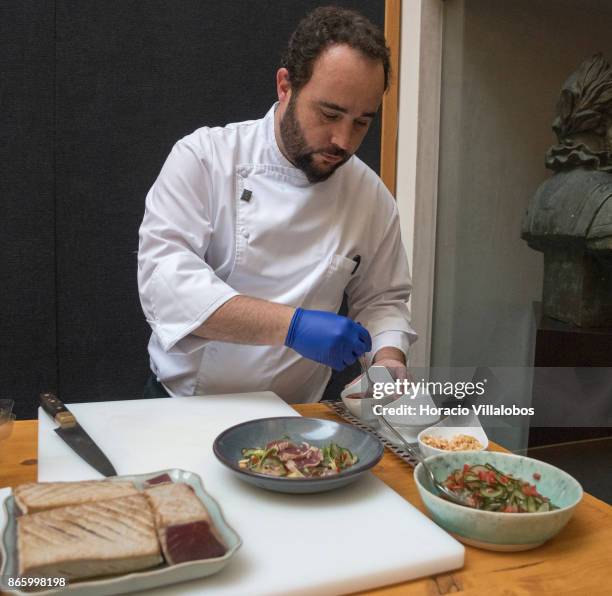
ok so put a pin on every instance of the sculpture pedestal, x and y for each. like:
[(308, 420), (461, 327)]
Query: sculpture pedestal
[(558, 344), (577, 287)]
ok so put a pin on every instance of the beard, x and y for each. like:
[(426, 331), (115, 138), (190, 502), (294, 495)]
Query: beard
[(300, 153)]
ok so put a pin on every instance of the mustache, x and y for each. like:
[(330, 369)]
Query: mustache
[(335, 151)]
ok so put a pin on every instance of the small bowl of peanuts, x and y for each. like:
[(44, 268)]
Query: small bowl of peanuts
[(444, 439)]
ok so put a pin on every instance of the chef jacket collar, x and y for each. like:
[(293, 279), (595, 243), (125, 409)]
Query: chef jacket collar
[(278, 156)]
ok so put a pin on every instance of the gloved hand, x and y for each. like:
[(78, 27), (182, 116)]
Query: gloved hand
[(327, 338)]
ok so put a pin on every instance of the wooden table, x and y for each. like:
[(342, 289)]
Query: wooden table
[(577, 561)]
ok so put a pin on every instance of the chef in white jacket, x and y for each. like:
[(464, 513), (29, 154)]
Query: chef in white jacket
[(253, 231)]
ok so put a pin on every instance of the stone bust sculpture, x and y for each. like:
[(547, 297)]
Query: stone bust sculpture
[(569, 218)]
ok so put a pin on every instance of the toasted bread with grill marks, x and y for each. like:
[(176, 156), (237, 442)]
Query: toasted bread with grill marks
[(41, 496), (94, 539), (185, 530)]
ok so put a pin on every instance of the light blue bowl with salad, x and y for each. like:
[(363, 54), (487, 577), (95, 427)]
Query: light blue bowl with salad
[(523, 502)]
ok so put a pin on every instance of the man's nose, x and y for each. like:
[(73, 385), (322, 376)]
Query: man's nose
[(342, 137)]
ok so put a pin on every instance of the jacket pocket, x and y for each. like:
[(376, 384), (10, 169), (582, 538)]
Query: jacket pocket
[(327, 294)]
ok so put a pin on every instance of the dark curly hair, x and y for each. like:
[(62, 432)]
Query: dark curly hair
[(327, 26)]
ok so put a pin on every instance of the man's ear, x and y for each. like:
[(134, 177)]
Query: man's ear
[(283, 85)]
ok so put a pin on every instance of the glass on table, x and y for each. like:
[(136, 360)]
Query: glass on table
[(6, 408), (6, 418)]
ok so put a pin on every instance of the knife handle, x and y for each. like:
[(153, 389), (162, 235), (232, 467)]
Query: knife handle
[(57, 410)]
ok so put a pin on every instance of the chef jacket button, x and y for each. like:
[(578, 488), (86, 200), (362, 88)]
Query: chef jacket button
[(245, 234), (244, 172)]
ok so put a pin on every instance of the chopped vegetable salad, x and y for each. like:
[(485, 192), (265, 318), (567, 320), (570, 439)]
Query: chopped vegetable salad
[(485, 487)]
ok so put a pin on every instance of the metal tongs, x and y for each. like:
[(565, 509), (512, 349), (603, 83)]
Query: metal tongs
[(415, 453)]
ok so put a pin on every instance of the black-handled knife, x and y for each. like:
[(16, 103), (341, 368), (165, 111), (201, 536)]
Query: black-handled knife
[(75, 436)]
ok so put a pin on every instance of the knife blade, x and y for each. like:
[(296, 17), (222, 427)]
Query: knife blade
[(73, 434)]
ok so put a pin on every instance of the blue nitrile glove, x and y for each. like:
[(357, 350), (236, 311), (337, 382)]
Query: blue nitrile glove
[(327, 338)]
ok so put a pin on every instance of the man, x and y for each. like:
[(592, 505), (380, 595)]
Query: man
[(253, 231)]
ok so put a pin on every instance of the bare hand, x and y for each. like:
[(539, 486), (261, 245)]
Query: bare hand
[(396, 368)]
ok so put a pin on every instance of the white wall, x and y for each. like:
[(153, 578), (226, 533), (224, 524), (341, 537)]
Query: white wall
[(503, 65), (408, 120), (417, 178)]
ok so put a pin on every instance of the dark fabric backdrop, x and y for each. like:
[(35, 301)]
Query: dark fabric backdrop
[(94, 95)]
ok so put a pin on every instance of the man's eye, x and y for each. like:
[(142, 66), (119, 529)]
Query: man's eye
[(361, 123), (330, 115)]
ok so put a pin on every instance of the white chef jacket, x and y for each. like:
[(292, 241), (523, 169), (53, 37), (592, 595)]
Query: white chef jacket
[(204, 240)]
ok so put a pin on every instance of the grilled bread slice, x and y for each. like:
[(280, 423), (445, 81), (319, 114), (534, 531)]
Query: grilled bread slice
[(183, 525), (41, 496), (175, 503), (94, 539)]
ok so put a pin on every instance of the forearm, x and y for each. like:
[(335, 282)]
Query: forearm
[(246, 320)]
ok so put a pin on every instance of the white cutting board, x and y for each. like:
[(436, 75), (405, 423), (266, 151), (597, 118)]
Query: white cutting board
[(354, 538)]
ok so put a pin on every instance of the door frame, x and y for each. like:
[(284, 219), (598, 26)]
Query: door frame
[(410, 137)]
